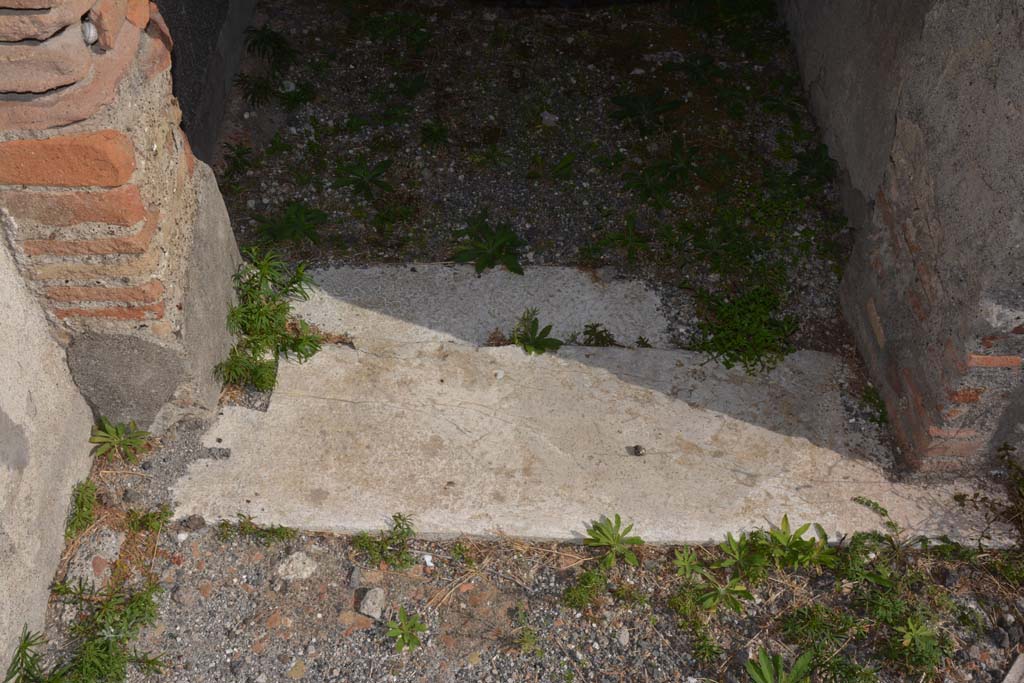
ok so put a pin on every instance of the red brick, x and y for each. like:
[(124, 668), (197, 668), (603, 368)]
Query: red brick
[(133, 244), (975, 360), (108, 15), (149, 311), (917, 305), (952, 448), (875, 322), (157, 58), (38, 67), (966, 395), (119, 206), (147, 293), (16, 26), (951, 432), (80, 101), (1018, 330), (954, 357), (190, 158), (103, 159), (126, 266), (138, 12)]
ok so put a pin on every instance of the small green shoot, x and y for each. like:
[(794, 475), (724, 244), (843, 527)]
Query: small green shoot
[(488, 247), (125, 441), (586, 590), (83, 509), (246, 528), (405, 632), (771, 669), (363, 179), (531, 337), (610, 535), (390, 546), (296, 222), (152, 521)]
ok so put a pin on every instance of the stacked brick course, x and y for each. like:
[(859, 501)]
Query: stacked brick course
[(98, 185)]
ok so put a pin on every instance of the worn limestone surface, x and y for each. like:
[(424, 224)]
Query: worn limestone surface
[(209, 291), (490, 440), (438, 302), (44, 450)]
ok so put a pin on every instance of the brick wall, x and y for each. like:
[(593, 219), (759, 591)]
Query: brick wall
[(921, 102), (98, 191)]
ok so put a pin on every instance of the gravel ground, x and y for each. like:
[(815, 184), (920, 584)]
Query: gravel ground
[(234, 608), (514, 91)]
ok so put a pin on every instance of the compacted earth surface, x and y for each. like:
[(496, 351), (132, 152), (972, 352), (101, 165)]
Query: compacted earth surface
[(666, 142)]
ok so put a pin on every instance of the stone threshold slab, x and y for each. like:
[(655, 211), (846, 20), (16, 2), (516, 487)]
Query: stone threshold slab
[(442, 302), (490, 441)]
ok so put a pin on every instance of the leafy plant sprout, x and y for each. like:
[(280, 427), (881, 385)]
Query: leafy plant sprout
[(126, 441), (405, 631), (487, 246), (531, 337), (614, 539)]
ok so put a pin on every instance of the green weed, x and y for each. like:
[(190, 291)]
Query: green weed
[(585, 591), (363, 179), (109, 620), (83, 509), (260, 321), (746, 329), (125, 441), (433, 134), (596, 334), (152, 521), (531, 337), (247, 528), (26, 664), (258, 89), (771, 669), (609, 535), (296, 222), (405, 632), (487, 246), (270, 46), (729, 593), (872, 400), (390, 546), (629, 240), (526, 638), (644, 110), (303, 93)]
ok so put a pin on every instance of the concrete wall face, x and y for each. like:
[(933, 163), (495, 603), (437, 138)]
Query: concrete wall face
[(209, 36), (922, 104), (44, 450)]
